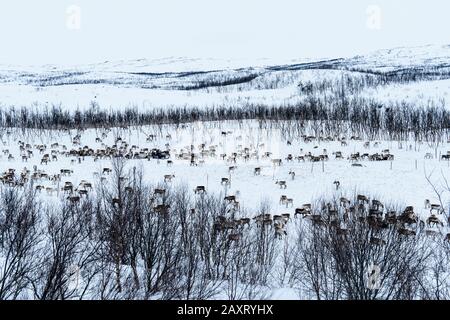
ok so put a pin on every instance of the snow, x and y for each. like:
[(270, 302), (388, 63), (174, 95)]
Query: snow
[(420, 94), (399, 182), (148, 84), (405, 183)]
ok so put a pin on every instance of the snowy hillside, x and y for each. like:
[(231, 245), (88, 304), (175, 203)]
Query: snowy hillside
[(214, 82)]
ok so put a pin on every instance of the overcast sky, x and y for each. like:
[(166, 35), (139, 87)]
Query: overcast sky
[(45, 31)]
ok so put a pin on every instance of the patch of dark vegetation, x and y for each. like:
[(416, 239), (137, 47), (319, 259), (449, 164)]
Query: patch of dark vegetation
[(362, 117)]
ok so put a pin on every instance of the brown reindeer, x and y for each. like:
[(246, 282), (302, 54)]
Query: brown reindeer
[(391, 217), (200, 189), (434, 220), (437, 208), (362, 198), (344, 202), (168, 177), (337, 184), (301, 211), (277, 162), (232, 169), (162, 209), (292, 174), (230, 198), (281, 183), (82, 192)]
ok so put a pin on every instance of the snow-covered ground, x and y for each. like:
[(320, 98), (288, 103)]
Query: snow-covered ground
[(402, 180), (187, 82), (416, 173)]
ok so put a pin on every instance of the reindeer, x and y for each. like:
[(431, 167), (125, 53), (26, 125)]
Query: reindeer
[(344, 202), (289, 201), (66, 172), (232, 169), (74, 199), (245, 221), (391, 217), (230, 199), (225, 181), (168, 177), (281, 183), (279, 231), (82, 192), (276, 162), (45, 159), (437, 208), (257, 171), (377, 204), (305, 210), (162, 209), (434, 220), (337, 184), (200, 189), (362, 199), (292, 174), (338, 155)]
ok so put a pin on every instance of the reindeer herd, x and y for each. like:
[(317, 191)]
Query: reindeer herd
[(339, 217), (163, 149)]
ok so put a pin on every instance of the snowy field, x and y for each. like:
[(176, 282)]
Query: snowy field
[(402, 180)]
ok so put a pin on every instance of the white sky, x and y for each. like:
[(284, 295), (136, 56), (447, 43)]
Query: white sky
[(35, 32)]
